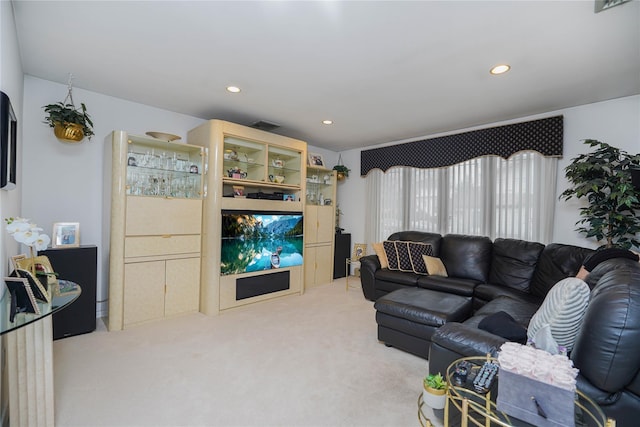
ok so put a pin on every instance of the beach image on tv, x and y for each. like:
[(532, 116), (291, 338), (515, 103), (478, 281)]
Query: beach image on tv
[(260, 241)]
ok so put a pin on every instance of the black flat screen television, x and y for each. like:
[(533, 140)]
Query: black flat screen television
[(8, 141), (256, 241)]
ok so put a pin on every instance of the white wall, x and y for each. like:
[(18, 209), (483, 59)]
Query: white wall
[(62, 182), (616, 122), (11, 83)]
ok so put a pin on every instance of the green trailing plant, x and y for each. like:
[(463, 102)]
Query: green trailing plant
[(435, 381), (603, 177), (67, 113), (342, 169)]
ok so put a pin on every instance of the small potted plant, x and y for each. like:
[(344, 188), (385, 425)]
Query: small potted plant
[(435, 389), (68, 123), (343, 171)]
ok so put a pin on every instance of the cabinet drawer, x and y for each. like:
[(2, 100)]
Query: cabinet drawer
[(160, 245), (158, 216)]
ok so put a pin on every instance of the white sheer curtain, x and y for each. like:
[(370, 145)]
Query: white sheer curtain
[(487, 196)]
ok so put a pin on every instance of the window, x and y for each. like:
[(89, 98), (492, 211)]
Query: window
[(486, 196)]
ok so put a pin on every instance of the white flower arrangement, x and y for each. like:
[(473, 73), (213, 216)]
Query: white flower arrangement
[(27, 233)]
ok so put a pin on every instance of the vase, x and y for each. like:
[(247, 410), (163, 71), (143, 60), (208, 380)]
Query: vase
[(341, 176), (68, 132), (434, 398)]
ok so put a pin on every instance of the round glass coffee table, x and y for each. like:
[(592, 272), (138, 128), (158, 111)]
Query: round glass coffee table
[(465, 407)]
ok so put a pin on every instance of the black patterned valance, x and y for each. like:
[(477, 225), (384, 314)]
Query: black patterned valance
[(544, 136)]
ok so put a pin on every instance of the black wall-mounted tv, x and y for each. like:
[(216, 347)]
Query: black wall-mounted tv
[(257, 240), (8, 141)]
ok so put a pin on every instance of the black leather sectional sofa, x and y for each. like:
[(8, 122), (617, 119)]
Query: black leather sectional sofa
[(514, 276)]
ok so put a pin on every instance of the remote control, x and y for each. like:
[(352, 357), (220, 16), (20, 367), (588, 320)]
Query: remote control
[(485, 376)]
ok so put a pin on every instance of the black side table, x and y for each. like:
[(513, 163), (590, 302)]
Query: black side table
[(78, 265)]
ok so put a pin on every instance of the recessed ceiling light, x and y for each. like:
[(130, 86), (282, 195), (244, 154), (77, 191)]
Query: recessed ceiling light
[(500, 69), (233, 89), (327, 122)]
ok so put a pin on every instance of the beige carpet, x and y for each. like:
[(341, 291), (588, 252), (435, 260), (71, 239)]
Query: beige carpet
[(310, 360)]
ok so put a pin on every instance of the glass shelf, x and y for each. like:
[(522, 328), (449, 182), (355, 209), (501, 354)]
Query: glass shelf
[(164, 169)]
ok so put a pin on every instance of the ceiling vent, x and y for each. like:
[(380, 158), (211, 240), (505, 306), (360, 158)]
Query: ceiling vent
[(264, 125)]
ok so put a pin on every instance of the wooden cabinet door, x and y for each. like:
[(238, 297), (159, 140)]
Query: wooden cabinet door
[(143, 292), (183, 286), (309, 266), (325, 224), (324, 264), (310, 224)]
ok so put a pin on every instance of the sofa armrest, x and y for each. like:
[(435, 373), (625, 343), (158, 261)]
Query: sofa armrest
[(454, 340), (368, 266)]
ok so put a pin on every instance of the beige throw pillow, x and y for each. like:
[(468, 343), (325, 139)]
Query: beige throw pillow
[(435, 267), (382, 255)]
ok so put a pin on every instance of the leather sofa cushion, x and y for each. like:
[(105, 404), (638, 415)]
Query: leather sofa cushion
[(424, 306), (486, 292), (433, 239), (407, 279), (557, 261), (452, 285), (514, 262), (467, 257), (607, 346)]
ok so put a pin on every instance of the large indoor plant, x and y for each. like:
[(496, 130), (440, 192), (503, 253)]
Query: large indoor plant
[(604, 178), (69, 123)]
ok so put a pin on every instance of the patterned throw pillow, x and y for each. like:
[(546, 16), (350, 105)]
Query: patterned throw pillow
[(392, 254), (416, 250), (404, 260), (435, 267), (562, 310), (382, 256)]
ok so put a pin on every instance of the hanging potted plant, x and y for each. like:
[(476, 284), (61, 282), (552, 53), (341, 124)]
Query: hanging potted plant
[(69, 123), (434, 393), (605, 178), (343, 171)]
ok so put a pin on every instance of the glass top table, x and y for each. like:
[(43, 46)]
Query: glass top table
[(465, 407), (62, 294)]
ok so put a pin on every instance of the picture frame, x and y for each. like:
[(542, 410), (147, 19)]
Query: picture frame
[(8, 143), (66, 235), (316, 160), (22, 298), (37, 288), (43, 267), (359, 250)]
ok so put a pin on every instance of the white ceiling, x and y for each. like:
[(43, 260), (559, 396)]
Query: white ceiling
[(383, 71)]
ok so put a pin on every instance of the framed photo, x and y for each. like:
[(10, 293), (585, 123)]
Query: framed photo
[(42, 268), (23, 300), (359, 250), (66, 235), (316, 160)]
